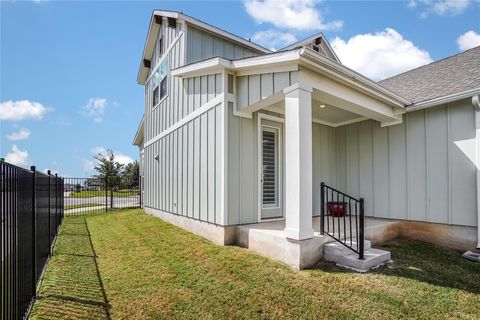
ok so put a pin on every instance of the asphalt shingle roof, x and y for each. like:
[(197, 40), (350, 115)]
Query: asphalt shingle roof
[(451, 75)]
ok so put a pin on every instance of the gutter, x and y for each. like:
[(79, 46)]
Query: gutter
[(476, 108), (441, 100)]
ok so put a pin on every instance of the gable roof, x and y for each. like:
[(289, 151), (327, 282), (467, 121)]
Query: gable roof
[(154, 28), (324, 45), (450, 76)]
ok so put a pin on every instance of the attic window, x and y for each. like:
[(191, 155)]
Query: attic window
[(158, 19), (318, 41), (146, 63), (172, 23), (316, 48)]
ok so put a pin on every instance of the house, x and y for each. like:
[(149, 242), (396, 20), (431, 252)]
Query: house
[(236, 140)]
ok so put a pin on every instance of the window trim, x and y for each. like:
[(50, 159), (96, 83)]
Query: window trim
[(160, 100)]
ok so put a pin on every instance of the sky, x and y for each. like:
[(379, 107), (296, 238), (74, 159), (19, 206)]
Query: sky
[(68, 69)]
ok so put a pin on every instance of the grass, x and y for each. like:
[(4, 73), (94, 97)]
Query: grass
[(90, 193), (83, 205), (129, 265)]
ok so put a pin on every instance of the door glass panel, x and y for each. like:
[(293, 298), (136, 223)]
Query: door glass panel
[(270, 167)]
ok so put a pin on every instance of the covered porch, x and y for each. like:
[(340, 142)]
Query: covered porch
[(314, 99), (330, 100)]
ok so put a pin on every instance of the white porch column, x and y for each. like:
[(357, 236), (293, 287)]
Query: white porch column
[(298, 164)]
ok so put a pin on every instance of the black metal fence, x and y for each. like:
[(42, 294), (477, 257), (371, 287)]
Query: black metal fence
[(31, 212), (342, 218), (100, 194)]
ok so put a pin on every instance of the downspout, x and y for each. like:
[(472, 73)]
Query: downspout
[(476, 108)]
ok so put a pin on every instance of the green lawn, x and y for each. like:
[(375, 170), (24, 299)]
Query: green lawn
[(129, 265), (90, 193)]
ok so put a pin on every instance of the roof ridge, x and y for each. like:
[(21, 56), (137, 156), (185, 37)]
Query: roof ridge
[(431, 63)]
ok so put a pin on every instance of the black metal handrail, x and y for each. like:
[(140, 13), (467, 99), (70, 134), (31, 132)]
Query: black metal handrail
[(341, 212)]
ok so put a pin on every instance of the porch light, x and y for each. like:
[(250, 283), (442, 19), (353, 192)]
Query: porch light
[(322, 106)]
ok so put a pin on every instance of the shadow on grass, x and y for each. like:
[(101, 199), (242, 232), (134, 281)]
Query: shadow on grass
[(426, 263), (72, 287)]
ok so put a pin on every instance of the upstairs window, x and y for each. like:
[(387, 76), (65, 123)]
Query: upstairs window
[(155, 96), (160, 83), (163, 88)]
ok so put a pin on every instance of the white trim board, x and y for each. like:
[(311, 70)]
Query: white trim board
[(207, 106), (263, 116)]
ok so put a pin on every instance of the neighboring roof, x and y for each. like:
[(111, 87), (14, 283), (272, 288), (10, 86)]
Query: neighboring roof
[(311, 39), (447, 77)]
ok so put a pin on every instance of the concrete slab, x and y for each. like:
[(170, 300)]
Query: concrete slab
[(335, 252)]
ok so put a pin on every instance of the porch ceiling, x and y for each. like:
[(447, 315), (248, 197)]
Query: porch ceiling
[(342, 105), (328, 114)]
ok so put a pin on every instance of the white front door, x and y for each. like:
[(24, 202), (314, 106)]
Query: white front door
[(271, 169)]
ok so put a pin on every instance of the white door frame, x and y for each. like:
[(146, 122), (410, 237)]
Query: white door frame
[(263, 116)]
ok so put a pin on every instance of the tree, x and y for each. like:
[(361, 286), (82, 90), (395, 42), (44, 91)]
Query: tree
[(130, 175), (108, 169)]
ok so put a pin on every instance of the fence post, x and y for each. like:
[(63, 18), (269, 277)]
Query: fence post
[(49, 214), (34, 232), (56, 204), (106, 193), (322, 208), (140, 189), (361, 230), (111, 195), (63, 198)]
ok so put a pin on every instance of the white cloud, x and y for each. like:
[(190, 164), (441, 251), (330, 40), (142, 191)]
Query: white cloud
[(88, 165), (95, 108), (440, 7), (18, 157), (22, 110), (449, 6), (468, 40), (380, 55), (290, 14), (412, 4), (119, 157), (274, 39), (23, 134)]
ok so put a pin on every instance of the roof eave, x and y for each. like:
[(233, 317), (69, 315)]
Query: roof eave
[(137, 139), (348, 75), (442, 100)]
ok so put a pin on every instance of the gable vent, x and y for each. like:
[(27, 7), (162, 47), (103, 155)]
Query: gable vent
[(172, 23)]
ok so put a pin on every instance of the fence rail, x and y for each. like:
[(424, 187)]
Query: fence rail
[(31, 212), (342, 218), (100, 194)]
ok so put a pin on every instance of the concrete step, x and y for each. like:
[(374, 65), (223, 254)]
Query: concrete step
[(335, 248), (334, 252)]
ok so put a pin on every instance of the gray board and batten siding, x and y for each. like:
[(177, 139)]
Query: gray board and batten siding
[(182, 165), (202, 45), (420, 170)]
